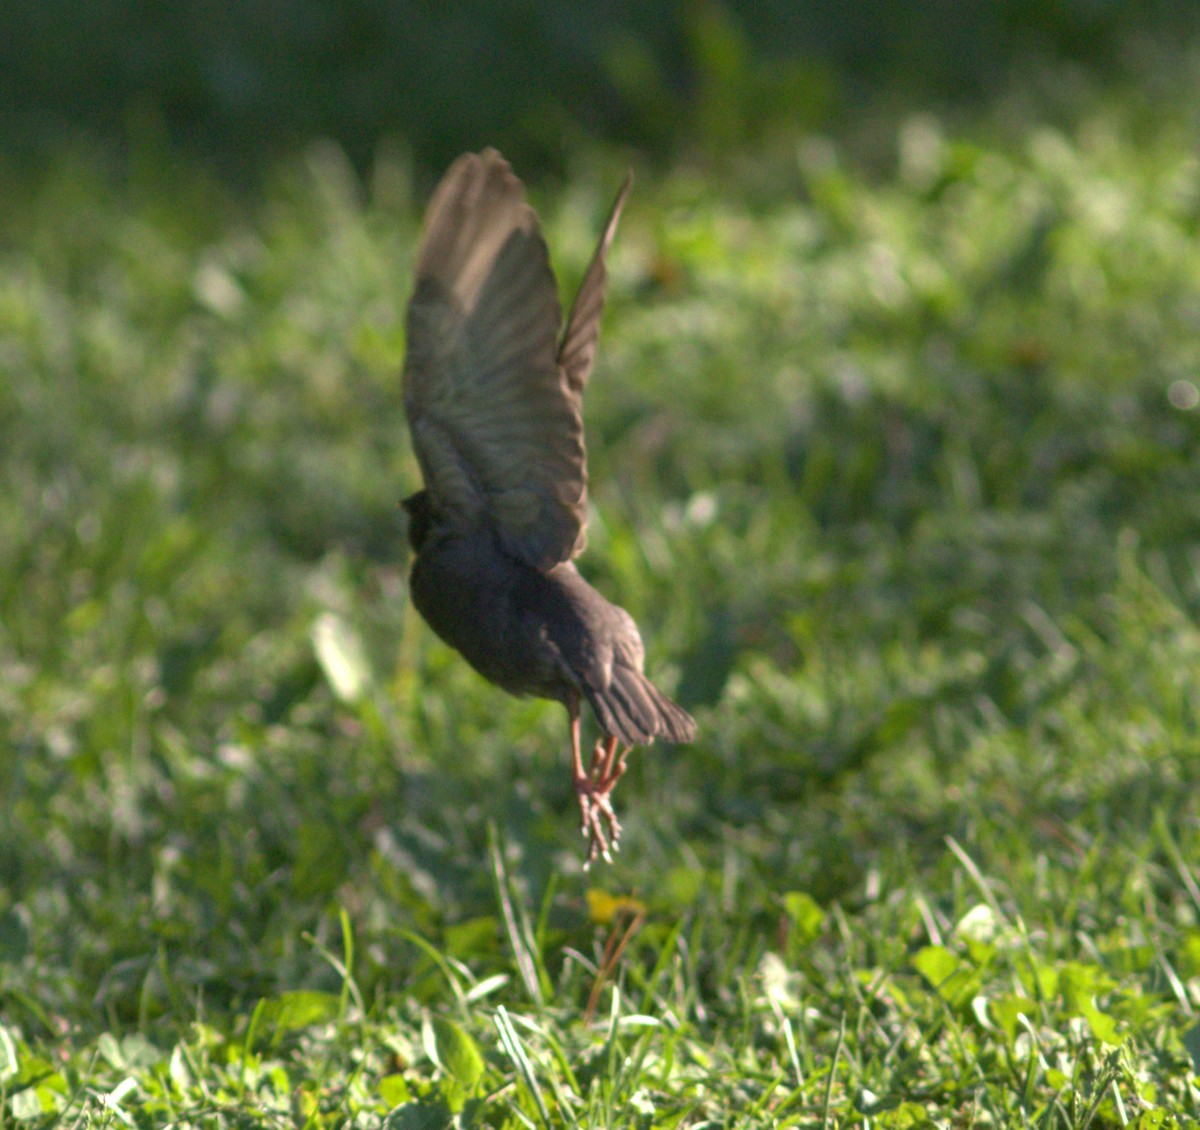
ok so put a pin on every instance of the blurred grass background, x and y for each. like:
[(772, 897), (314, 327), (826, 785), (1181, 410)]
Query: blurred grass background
[(243, 84), (895, 458)]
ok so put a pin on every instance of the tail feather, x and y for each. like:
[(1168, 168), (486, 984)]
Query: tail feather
[(633, 709)]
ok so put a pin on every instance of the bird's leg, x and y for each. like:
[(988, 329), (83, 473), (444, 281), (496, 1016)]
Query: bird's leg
[(592, 787), (612, 768), (605, 770), (604, 780), (596, 768), (580, 778), (590, 813)]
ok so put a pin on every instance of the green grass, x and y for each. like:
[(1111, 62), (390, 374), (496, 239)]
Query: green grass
[(901, 478)]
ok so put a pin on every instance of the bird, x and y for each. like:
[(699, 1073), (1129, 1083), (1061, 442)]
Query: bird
[(493, 384)]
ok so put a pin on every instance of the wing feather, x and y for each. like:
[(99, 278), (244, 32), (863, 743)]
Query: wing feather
[(494, 402), (578, 349)]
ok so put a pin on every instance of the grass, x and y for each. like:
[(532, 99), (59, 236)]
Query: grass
[(901, 478)]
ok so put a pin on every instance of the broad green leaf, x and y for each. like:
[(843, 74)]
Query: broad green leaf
[(906, 1116), (137, 1051), (1005, 1010), (473, 937), (1154, 1120), (1103, 1026), (393, 1089), (10, 1063), (1080, 984), (342, 656), (420, 1116), (979, 923), (805, 915), (180, 1072), (457, 1052), (110, 1050), (26, 1105), (1188, 959), (301, 1008), (954, 980), (1191, 1041), (936, 964)]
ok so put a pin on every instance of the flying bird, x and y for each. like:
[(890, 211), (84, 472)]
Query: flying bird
[(493, 391)]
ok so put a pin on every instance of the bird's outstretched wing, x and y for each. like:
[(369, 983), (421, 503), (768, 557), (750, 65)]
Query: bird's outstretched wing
[(496, 419), (578, 348)]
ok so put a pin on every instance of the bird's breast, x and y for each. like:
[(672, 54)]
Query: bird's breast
[(476, 599)]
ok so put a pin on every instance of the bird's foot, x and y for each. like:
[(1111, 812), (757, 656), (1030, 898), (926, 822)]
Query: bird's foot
[(594, 788)]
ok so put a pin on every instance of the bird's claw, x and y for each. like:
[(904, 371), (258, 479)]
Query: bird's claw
[(598, 820)]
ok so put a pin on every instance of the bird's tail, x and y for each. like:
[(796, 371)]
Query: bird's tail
[(633, 709)]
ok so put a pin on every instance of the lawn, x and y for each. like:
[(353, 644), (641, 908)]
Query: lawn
[(898, 470)]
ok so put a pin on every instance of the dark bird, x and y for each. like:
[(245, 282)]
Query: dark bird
[(494, 395)]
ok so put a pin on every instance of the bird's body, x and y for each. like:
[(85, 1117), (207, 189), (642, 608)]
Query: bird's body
[(559, 638), (494, 400)]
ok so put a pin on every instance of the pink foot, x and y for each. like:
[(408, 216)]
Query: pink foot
[(594, 788)]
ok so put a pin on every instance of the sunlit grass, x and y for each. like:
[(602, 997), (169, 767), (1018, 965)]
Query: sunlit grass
[(900, 478)]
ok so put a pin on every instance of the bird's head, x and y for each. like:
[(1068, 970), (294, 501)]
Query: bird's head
[(419, 508)]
